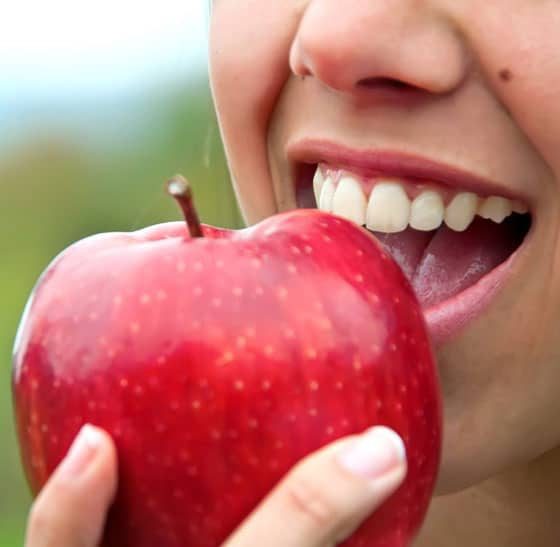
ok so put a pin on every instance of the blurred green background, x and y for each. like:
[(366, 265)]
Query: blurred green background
[(94, 119)]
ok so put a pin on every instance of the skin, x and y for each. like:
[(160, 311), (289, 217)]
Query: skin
[(482, 82), (481, 94)]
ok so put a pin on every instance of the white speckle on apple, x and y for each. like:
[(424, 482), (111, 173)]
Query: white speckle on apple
[(160, 428), (161, 294), (203, 382), (259, 290), (344, 423), (216, 302), (266, 385), (308, 249), (239, 385), (216, 434), (145, 299), (282, 293), (237, 478), (256, 263), (102, 341), (181, 267), (44, 428), (403, 388), (134, 327), (324, 323), (178, 493), (398, 406), (396, 300), (268, 350), (111, 353), (393, 346), (195, 324), (241, 341), (198, 266), (184, 455), (313, 385), (196, 404), (359, 252), (219, 263), (253, 424), (192, 471), (197, 291), (34, 385), (329, 430), (54, 440), (339, 385), (357, 363), (313, 412), (292, 268), (117, 301), (374, 297), (295, 250), (311, 353), (378, 404), (93, 316), (375, 349), (161, 360), (139, 391), (289, 333), (292, 418), (327, 239), (91, 405), (237, 291), (226, 358)]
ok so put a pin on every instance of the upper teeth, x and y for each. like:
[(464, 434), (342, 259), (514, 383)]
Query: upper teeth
[(389, 209)]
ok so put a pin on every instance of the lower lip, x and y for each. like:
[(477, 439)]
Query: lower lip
[(448, 318)]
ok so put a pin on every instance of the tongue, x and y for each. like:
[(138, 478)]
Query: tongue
[(443, 263)]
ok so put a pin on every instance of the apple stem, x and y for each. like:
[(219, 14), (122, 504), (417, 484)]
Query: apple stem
[(180, 188)]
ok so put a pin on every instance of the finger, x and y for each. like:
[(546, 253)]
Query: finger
[(70, 511), (327, 495)]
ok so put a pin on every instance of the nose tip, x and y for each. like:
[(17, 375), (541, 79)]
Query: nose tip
[(396, 44)]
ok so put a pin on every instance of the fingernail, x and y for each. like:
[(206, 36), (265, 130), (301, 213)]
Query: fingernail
[(83, 451), (376, 452)]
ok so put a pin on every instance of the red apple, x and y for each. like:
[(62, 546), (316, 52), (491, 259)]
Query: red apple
[(217, 362)]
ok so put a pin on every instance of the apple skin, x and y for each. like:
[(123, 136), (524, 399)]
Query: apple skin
[(217, 363)]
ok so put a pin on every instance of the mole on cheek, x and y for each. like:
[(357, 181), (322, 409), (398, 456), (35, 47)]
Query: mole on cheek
[(506, 75)]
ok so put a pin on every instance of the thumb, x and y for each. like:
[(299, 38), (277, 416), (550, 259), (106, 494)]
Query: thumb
[(70, 511), (326, 496)]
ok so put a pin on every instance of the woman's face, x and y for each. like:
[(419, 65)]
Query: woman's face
[(453, 96)]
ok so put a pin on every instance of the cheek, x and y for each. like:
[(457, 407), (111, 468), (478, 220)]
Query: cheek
[(521, 53), (248, 67)]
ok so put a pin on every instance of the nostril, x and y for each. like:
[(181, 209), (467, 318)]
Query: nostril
[(385, 83)]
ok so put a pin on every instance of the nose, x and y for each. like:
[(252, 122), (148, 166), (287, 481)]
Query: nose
[(361, 46)]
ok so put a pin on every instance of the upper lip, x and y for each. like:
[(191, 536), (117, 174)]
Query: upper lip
[(391, 163)]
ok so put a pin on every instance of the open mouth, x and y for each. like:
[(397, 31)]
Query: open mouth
[(452, 243)]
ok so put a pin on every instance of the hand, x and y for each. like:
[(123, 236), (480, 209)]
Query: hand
[(70, 511), (319, 503)]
